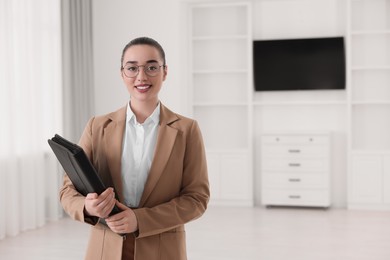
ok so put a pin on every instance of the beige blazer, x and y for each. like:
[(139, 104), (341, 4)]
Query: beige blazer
[(176, 191)]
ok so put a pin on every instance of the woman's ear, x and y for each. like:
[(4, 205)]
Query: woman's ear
[(165, 72)]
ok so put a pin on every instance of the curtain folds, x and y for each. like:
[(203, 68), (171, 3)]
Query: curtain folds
[(30, 112), (77, 54), (46, 87)]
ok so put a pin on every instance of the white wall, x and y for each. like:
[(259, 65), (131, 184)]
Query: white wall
[(279, 19), (118, 21)]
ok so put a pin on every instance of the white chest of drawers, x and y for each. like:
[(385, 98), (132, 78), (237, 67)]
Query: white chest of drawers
[(295, 169)]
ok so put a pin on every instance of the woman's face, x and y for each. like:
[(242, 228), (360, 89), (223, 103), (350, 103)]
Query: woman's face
[(143, 87)]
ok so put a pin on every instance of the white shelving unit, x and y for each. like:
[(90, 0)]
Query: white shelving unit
[(221, 95), (369, 99), (233, 116)]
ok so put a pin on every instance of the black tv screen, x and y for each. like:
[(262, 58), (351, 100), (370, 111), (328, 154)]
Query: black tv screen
[(299, 64)]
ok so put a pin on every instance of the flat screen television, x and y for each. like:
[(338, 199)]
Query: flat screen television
[(299, 64)]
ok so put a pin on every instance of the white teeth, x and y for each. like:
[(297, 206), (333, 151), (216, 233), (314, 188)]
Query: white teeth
[(142, 87)]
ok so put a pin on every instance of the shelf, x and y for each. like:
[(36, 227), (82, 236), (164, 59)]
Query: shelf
[(370, 15), (353, 68), (356, 103), (223, 127), (231, 71), (227, 151), (300, 103), (220, 55), (230, 20), (370, 126), (221, 37), (214, 104), (220, 88), (369, 32), (370, 86), (370, 51), (370, 152)]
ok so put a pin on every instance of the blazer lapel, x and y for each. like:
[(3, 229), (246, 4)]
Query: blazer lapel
[(165, 140), (113, 136)]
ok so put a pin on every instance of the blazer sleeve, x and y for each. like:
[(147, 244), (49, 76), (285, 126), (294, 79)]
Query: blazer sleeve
[(193, 196)]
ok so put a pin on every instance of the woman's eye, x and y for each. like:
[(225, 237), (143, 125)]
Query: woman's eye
[(132, 68), (152, 68)]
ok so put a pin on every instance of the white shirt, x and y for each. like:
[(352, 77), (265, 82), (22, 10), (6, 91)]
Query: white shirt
[(139, 143)]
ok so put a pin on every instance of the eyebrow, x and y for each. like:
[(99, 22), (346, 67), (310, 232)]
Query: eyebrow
[(136, 62)]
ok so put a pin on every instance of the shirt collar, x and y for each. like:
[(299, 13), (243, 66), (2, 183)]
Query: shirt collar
[(154, 117)]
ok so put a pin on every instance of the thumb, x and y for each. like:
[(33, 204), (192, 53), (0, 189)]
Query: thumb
[(92, 196), (121, 206)]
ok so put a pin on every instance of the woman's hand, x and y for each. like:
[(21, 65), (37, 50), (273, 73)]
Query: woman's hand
[(100, 205), (123, 222)]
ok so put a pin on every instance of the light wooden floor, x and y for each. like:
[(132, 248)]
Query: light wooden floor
[(238, 234)]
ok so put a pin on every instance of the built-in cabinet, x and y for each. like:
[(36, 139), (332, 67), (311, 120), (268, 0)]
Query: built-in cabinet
[(221, 93), (233, 117), (295, 169), (369, 103)]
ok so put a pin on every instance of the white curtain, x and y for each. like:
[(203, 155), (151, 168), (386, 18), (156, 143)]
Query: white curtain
[(30, 113), (77, 70)]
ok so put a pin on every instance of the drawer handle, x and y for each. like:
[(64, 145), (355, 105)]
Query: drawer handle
[(294, 164), (294, 196), (294, 151), (294, 180)]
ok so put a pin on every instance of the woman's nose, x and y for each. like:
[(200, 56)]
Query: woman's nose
[(141, 74)]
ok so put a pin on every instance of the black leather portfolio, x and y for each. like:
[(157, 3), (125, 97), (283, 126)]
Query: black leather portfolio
[(78, 167)]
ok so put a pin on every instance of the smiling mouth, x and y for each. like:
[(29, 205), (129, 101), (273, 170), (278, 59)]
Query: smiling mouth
[(142, 87)]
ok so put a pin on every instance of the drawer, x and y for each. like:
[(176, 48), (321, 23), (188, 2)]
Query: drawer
[(316, 198), (295, 139), (295, 181), (294, 150), (294, 165)]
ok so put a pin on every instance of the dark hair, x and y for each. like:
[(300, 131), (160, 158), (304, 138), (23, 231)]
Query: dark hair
[(144, 41)]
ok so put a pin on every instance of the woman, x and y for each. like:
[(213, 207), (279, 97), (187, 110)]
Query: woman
[(154, 162)]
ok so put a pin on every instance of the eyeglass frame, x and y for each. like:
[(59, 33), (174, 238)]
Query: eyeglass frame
[(144, 69)]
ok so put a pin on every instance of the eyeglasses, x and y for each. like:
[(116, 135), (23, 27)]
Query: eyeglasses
[(151, 69)]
